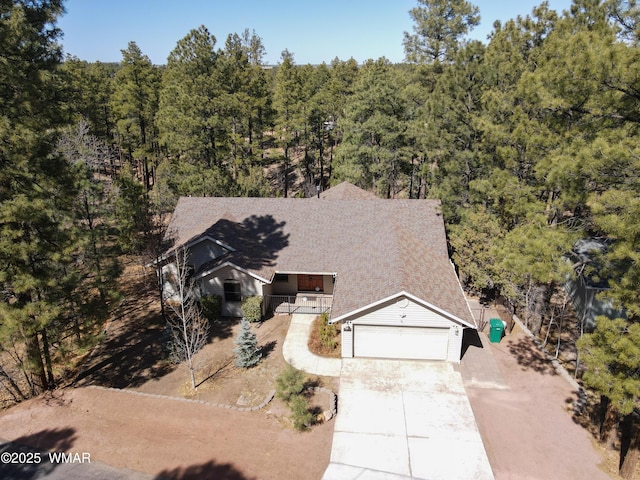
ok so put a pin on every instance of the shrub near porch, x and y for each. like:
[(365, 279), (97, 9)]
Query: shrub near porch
[(324, 339)]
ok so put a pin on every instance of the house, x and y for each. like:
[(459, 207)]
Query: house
[(379, 267), (587, 290)]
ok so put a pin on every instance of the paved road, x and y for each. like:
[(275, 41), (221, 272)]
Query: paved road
[(38, 464)]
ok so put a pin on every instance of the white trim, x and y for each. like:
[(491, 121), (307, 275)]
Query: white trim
[(235, 267), (191, 243), (410, 296), (463, 295), (171, 252), (289, 272)]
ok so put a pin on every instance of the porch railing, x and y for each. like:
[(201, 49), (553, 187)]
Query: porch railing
[(300, 303)]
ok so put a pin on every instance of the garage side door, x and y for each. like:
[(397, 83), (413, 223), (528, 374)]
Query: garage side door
[(415, 343)]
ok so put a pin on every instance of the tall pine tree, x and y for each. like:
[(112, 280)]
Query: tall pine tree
[(36, 185)]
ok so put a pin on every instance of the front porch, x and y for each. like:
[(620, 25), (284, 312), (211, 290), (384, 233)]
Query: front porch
[(309, 303)]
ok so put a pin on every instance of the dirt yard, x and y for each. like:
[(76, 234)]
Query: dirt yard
[(132, 356), (529, 430), (168, 436)]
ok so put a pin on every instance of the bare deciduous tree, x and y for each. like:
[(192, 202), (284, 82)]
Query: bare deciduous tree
[(189, 328)]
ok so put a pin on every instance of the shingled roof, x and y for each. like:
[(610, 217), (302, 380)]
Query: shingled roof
[(346, 191), (376, 247)]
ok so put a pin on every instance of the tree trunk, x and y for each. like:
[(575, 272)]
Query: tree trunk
[(94, 247), (192, 373), (286, 172), (607, 422), (411, 179), (15, 390), (630, 446), (47, 359), (35, 363)]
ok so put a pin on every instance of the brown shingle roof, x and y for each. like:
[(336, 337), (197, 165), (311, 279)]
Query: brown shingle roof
[(346, 191), (376, 247)]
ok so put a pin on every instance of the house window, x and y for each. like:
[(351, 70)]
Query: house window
[(232, 292), (281, 277)]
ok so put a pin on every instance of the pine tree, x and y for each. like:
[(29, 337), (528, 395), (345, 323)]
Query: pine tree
[(89, 89), (131, 208), (439, 27), (37, 186), (373, 153), (611, 355), (286, 102), (189, 111), (134, 103), (247, 351), (87, 155)]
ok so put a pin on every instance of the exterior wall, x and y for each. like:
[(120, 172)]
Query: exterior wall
[(404, 312), (203, 252), (589, 304), (346, 341), (328, 284), (455, 343), (267, 289), (214, 285), (289, 287)]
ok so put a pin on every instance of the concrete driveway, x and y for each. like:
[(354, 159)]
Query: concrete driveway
[(405, 419)]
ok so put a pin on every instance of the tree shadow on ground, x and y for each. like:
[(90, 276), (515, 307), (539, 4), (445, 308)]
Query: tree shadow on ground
[(30, 453), (57, 439), (133, 349), (529, 356), (470, 338), (128, 359), (220, 370), (210, 470), (222, 328), (267, 348)]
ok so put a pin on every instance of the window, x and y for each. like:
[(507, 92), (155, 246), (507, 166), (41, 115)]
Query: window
[(281, 277), (232, 292)]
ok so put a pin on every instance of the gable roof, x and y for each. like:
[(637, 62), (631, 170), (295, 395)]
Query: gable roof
[(375, 247), (346, 191)]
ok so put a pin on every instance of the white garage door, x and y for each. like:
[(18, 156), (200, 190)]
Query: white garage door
[(416, 343)]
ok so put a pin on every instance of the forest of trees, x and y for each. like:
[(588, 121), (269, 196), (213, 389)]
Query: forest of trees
[(530, 140)]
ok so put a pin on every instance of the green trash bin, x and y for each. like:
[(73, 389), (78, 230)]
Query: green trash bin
[(496, 330)]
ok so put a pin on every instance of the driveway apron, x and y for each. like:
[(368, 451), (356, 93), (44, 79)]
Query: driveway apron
[(405, 419)]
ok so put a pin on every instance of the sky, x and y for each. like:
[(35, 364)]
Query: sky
[(314, 31)]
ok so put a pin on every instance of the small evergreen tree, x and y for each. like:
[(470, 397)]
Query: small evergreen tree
[(247, 352), (301, 416), (289, 383)]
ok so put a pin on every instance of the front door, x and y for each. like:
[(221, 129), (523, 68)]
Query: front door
[(310, 283)]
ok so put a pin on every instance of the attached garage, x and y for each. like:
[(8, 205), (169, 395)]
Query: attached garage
[(402, 327), (411, 343)]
